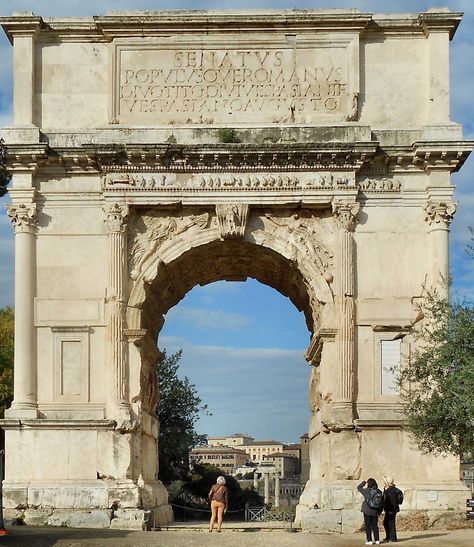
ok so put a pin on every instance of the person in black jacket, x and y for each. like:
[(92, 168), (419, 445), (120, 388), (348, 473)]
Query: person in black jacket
[(370, 515), (391, 508)]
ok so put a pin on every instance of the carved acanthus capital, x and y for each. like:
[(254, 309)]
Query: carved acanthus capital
[(232, 219), (116, 216), (23, 217), (441, 212), (345, 214)]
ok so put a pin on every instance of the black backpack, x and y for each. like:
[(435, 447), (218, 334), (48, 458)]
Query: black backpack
[(375, 499), (399, 494)]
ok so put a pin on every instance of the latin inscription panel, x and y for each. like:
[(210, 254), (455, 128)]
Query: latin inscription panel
[(158, 84)]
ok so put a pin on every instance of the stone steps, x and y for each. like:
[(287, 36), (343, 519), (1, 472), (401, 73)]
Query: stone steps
[(203, 526)]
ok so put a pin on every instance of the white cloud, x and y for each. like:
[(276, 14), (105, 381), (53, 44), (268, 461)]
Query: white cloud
[(208, 319), (261, 391)]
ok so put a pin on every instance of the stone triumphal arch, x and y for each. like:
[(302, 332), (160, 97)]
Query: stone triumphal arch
[(150, 152)]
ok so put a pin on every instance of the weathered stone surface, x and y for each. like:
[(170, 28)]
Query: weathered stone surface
[(37, 517), (81, 519), (123, 494), (58, 496), (340, 497), (321, 520), (15, 496), (153, 494), (346, 451), (163, 515), (132, 519), (352, 521)]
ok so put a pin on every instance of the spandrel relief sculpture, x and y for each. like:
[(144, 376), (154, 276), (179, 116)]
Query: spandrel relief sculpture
[(306, 238), (150, 231)]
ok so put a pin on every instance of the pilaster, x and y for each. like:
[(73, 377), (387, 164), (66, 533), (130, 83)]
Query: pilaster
[(23, 34)]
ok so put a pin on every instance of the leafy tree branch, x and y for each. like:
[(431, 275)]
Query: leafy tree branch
[(178, 410), (5, 175), (437, 381)]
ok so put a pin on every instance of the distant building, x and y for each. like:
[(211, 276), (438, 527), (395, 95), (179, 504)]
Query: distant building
[(293, 449), (256, 450), (225, 458), (237, 439), (286, 464)]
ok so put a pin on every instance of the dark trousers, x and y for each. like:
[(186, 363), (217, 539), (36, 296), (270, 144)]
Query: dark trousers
[(371, 527), (389, 525)]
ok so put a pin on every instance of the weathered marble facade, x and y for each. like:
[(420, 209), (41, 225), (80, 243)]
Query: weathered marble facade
[(151, 152)]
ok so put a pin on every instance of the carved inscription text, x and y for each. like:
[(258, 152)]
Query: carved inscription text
[(216, 83)]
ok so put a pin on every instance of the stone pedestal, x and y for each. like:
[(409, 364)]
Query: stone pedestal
[(331, 502), (90, 479)]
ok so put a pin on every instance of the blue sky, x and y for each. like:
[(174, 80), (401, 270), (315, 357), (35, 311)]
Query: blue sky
[(243, 343)]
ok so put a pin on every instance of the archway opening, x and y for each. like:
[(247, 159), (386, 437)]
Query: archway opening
[(239, 260), (243, 348), (229, 260)]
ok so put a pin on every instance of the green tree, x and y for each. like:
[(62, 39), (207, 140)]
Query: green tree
[(6, 358), (4, 173), (205, 475), (178, 410), (437, 381)]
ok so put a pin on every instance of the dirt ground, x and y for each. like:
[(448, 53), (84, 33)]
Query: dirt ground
[(66, 537)]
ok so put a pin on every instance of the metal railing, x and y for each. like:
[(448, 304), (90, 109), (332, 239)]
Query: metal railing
[(255, 513)]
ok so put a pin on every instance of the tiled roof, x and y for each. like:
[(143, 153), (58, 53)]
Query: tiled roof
[(263, 443)]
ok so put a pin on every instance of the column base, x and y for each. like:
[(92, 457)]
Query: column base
[(119, 411), (22, 411), (338, 416)]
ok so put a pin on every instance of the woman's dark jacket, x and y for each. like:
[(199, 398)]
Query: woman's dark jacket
[(390, 503), (366, 509)]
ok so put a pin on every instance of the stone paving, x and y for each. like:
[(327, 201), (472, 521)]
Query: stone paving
[(27, 536)]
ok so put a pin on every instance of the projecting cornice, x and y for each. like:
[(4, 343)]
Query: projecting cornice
[(239, 157), (427, 156), (21, 24), (26, 157), (136, 24), (421, 23), (221, 158)]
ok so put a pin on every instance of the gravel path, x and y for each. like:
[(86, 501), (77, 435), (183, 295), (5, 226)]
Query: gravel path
[(65, 537)]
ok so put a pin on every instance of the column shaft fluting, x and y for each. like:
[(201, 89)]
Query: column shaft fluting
[(345, 346), (345, 214), (24, 220), (116, 362)]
